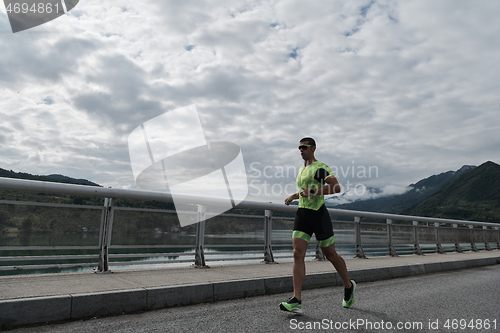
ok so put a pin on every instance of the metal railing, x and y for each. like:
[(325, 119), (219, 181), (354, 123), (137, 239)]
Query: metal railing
[(359, 237)]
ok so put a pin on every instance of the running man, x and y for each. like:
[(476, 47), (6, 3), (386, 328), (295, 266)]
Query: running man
[(314, 181)]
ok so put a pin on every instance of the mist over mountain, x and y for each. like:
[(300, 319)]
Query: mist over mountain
[(416, 192)]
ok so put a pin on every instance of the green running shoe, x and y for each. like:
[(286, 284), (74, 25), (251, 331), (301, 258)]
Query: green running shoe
[(292, 305), (349, 295)]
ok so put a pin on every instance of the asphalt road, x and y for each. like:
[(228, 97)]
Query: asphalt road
[(455, 301)]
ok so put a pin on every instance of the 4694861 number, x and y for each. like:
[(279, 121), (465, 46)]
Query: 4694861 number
[(36, 8), (472, 324)]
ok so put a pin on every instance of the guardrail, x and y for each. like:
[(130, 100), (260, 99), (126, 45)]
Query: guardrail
[(420, 235)]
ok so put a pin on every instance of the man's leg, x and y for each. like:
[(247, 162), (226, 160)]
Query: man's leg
[(337, 262), (299, 266), (294, 304)]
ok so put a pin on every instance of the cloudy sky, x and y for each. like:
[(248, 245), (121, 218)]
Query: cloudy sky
[(395, 91)]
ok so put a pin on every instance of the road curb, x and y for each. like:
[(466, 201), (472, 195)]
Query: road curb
[(35, 310), (108, 303)]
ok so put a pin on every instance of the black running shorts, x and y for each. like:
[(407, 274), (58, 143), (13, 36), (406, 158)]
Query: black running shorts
[(308, 221)]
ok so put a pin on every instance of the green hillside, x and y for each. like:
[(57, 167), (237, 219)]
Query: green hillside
[(472, 196), (50, 178)]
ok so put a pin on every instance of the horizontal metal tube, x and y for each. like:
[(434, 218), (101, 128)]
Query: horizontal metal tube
[(131, 263), (43, 258), (232, 259), (83, 190), (37, 267), (47, 248), (150, 255), (207, 253), (48, 204), (151, 246)]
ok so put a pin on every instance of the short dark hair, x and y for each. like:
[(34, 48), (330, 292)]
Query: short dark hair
[(310, 141)]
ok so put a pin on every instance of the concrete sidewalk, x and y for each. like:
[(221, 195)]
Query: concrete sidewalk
[(31, 299)]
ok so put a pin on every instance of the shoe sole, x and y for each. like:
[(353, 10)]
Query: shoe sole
[(297, 311)]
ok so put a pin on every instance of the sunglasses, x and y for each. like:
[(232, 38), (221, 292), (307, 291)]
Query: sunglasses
[(304, 146)]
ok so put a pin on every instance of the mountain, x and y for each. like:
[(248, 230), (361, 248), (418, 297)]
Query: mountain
[(472, 196), (49, 178), (421, 190)]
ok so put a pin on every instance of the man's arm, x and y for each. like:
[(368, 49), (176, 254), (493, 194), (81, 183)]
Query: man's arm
[(291, 198), (332, 186)]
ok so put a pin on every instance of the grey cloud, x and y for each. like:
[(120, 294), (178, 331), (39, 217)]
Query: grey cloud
[(182, 16), (120, 75), (25, 57), (111, 111), (121, 100), (216, 84)]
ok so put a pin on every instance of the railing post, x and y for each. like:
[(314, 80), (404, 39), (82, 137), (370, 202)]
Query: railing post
[(268, 228), (486, 243), (392, 250), (416, 246), (439, 247), (319, 255), (359, 249), (498, 237), (105, 233), (457, 244), (199, 257), (473, 246)]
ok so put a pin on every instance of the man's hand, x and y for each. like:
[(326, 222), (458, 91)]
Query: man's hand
[(306, 193), (291, 198)]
